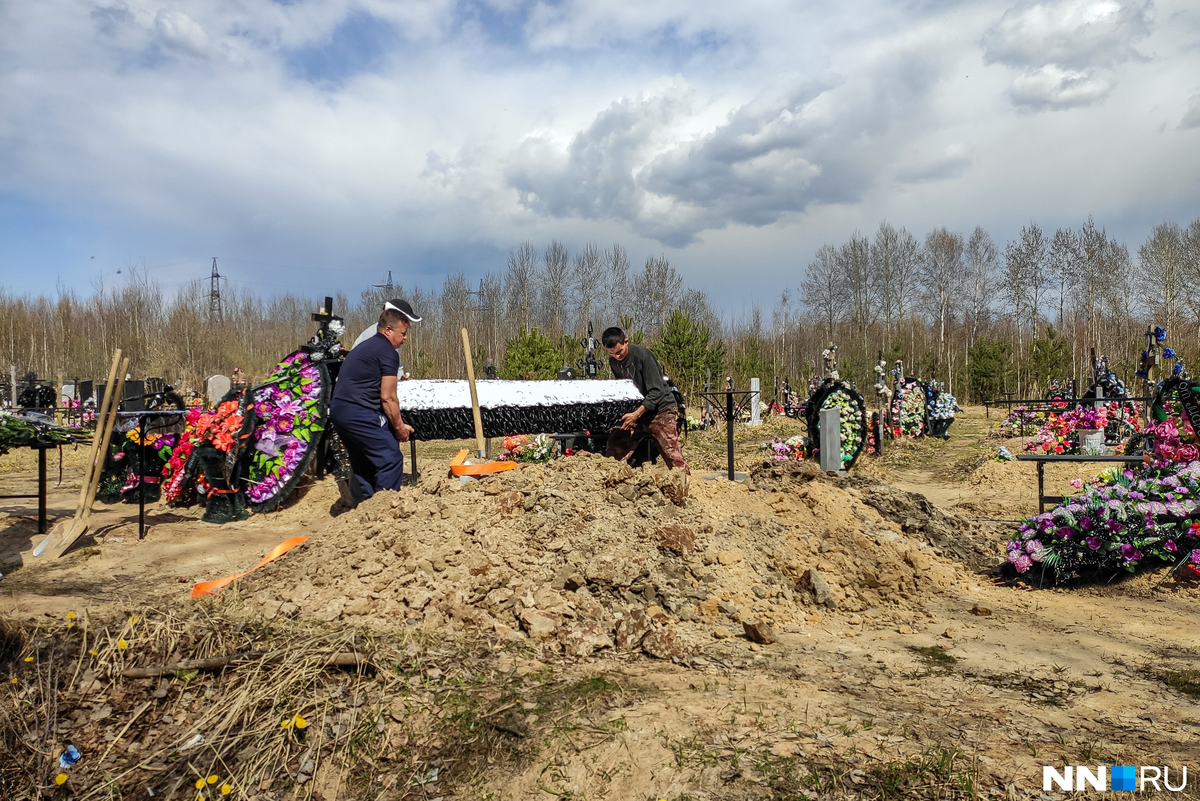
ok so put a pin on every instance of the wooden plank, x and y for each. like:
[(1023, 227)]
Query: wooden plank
[(65, 530), (109, 424)]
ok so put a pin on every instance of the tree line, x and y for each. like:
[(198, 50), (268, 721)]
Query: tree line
[(956, 308), (985, 320)]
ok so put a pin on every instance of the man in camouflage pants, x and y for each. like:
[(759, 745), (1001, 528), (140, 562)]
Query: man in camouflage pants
[(657, 415)]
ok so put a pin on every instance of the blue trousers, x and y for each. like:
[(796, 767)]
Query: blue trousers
[(375, 455)]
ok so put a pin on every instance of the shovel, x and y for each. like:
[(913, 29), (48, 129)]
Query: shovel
[(460, 465)]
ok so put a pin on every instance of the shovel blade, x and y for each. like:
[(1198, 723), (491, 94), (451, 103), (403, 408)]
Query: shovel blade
[(61, 531), (73, 536)]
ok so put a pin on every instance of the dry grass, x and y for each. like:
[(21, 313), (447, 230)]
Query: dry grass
[(414, 719)]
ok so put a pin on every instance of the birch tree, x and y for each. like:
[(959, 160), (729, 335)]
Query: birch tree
[(979, 258), (941, 279), (823, 291)]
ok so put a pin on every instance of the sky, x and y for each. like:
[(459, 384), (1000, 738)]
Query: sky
[(314, 145)]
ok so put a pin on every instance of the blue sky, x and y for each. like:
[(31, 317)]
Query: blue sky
[(316, 144)]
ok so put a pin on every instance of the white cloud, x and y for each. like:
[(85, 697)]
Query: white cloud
[(820, 141), (718, 131), (1191, 119), (1051, 87), (950, 163), (181, 32), (1068, 50), (1074, 34)]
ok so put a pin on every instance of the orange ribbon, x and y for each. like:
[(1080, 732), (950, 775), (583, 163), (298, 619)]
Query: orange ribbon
[(205, 587), (459, 469)]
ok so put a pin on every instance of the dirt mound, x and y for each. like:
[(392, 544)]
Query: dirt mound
[(977, 544), (586, 553), (997, 472)]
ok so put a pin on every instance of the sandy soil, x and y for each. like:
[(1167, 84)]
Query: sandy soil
[(1004, 678)]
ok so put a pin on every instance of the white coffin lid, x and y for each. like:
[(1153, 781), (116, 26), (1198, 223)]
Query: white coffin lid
[(493, 394)]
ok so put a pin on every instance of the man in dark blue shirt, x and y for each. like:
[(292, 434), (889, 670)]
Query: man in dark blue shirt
[(365, 410)]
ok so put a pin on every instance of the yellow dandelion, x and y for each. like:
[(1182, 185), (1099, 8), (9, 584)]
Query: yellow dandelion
[(60, 779), (226, 788), (16, 680), (70, 615), (213, 779), (122, 645), (29, 659), (299, 722), (133, 621), (93, 652), (285, 723), (200, 783), (70, 625)]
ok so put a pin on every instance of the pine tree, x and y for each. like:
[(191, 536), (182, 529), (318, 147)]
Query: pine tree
[(686, 351), (529, 355)]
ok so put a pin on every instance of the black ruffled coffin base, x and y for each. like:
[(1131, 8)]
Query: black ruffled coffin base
[(510, 420)]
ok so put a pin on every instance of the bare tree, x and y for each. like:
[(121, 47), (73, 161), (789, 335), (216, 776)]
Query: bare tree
[(656, 292), (694, 304), (823, 290), (556, 283), (1033, 252), (491, 308), (1090, 286), (615, 262), (905, 278), (885, 255), (1064, 260), (854, 262), (1190, 242), (1161, 273), (1102, 298), (588, 278), (520, 285), (980, 259), (941, 279)]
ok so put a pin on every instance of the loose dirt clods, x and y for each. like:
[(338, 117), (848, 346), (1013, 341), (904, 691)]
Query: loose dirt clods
[(585, 554)]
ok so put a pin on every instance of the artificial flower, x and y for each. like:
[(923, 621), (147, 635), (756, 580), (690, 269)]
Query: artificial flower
[(286, 426)]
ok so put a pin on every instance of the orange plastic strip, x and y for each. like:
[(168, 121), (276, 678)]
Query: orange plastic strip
[(459, 469), (205, 587)]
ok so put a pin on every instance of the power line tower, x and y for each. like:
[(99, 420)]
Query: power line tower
[(214, 294), (388, 289)]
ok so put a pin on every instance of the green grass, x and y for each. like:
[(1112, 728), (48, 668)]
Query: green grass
[(935, 659), (1184, 681), (942, 773)]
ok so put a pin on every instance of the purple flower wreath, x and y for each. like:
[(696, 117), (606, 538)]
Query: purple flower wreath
[(289, 421)]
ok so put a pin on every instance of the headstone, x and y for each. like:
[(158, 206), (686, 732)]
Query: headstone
[(131, 396), (755, 403), (831, 440), (133, 400), (218, 387), (66, 392)]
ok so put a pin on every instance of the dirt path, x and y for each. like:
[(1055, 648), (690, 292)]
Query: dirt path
[(111, 569)]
